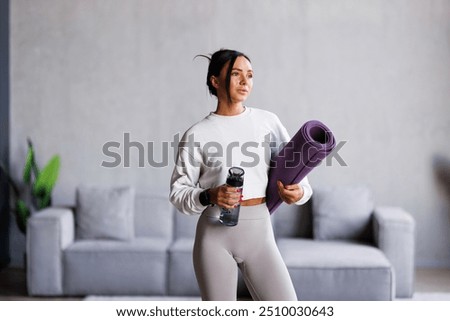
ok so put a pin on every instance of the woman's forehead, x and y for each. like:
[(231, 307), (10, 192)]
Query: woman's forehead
[(243, 64)]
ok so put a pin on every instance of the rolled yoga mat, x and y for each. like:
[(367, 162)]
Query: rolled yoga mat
[(309, 146)]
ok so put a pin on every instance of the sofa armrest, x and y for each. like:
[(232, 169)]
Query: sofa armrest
[(394, 234), (49, 232)]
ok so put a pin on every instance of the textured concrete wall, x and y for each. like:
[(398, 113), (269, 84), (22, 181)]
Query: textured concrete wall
[(4, 133), (87, 72)]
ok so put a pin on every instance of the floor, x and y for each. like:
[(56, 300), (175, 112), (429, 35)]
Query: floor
[(13, 284), (432, 280), (13, 287)]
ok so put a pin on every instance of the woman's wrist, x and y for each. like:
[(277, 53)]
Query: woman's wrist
[(205, 198)]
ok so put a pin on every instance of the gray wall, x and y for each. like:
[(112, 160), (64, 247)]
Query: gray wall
[(376, 72), (4, 132)]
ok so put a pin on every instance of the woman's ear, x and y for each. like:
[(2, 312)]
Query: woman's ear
[(215, 82)]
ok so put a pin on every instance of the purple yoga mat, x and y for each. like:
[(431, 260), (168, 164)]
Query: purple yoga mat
[(309, 146)]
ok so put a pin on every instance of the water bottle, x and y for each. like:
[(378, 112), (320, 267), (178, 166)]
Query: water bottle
[(230, 217)]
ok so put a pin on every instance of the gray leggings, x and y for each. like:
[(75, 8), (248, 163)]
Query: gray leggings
[(219, 250)]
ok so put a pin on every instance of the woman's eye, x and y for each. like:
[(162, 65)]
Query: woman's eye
[(234, 73), (250, 76)]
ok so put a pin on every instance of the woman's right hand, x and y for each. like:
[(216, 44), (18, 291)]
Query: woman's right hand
[(225, 196)]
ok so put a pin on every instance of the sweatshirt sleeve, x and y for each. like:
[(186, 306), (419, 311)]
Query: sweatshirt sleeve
[(184, 187), (307, 191), (281, 137)]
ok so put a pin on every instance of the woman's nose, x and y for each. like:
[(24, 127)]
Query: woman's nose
[(243, 80)]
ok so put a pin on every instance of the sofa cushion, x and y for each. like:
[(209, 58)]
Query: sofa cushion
[(153, 215), (181, 275), (105, 212), (108, 267), (341, 213), (337, 270)]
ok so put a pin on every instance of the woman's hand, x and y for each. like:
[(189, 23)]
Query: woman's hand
[(225, 196), (290, 193)]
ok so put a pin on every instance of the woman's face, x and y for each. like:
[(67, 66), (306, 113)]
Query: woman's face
[(241, 81)]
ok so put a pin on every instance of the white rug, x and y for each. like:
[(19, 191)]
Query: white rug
[(418, 296), (428, 296), (141, 298)]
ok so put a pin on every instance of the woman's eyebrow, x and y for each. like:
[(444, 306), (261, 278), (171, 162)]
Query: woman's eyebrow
[(238, 69)]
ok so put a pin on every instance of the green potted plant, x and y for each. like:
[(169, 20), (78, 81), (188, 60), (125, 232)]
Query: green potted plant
[(39, 183)]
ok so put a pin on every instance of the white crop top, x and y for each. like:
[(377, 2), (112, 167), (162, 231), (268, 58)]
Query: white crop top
[(210, 147)]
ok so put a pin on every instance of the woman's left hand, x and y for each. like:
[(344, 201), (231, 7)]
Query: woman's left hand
[(290, 193)]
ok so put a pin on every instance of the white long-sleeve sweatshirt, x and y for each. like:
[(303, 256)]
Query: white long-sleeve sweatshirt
[(215, 144)]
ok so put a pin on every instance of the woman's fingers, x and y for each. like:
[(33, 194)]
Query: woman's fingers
[(231, 196), (226, 196), (290, 193)]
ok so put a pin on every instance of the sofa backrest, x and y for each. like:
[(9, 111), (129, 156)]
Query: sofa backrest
[(342, 212), (293, 221), (153, 216), (185, 225), (348, 206)]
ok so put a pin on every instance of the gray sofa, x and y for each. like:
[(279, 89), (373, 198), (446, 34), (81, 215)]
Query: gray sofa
[(338, 246)]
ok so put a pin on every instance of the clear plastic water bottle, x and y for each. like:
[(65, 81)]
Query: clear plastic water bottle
[(230, 217)]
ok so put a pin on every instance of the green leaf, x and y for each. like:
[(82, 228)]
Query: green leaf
[(34, 166), (28, 166), (43, 201), (22, 215), (47, 177)]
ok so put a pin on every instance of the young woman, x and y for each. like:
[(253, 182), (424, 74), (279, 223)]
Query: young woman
[(234, 135)]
